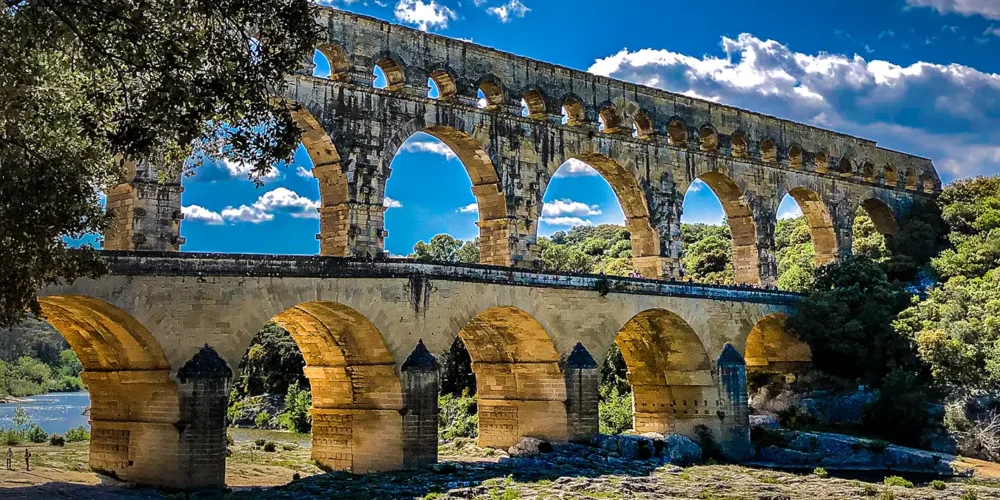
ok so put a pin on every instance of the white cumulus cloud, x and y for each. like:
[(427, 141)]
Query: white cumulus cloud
[(433, 147), (302, 172), (565, 207), (424, 16), (244, 213), (513, 8), (471, 208), (939, 111), (575, 168), (391, 203), (280, 200), (242, 170), (201, 214), (565, 221)]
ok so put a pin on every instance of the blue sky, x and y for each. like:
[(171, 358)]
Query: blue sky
[(916, 75)]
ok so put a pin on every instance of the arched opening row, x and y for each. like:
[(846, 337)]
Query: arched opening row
[(365, 414), (332, 62)]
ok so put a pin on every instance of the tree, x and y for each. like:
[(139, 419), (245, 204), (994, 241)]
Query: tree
[(446, 248), (91, 86), (847, 321), (272, 364)]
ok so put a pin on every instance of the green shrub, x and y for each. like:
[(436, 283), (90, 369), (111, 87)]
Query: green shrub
[(11, 437), (458, 416), (820, 472), (57, 440), (261, 420), (897, 481), (795, 417), (869, 490), (270, 447), (614, 410), (969, 495), (938, 484), (296, 416), (35, 434), (77, 434), (259, 442)]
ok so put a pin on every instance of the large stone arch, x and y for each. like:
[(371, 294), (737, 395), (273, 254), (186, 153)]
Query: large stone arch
[(670, 373), (625, 184), (494, 231), (770, 347), (357, 395), (135, 403), (821, 224), (520, 387), (742, 228), (881, 215)]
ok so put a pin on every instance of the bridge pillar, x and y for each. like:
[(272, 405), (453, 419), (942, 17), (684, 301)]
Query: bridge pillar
[(147, 212), (767, 260), (582, 385), (734, 416), (204, 396), (421, 384)]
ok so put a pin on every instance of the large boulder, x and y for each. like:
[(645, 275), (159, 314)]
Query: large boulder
[(529, 447), (627, 447), (680, 450)]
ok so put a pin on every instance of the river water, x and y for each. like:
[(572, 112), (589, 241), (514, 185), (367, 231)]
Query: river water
[(53, 412), (56, 412)]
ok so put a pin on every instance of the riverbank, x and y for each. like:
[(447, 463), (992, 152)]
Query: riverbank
[(469, 472)]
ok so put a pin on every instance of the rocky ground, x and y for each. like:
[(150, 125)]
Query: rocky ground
[(597, 471)]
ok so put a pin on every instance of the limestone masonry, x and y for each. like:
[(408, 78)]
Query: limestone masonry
[(160, 336)]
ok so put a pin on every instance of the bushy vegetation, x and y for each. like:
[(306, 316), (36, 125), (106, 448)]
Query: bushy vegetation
[(22, 430), (35, 359), (458, 416), (77, 434), (296, 416)]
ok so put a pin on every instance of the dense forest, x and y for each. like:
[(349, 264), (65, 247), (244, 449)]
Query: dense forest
[(35, 359)]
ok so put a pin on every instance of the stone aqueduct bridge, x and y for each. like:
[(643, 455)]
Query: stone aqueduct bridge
[(160, 335), (652, 145)]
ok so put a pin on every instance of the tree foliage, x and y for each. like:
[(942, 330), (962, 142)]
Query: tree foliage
[(272, 364), (446, 248), (92, 85)]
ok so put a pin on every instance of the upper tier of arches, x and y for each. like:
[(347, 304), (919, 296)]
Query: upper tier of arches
[(462, 70)]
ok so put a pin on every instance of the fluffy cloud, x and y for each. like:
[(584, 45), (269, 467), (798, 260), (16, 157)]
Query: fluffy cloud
[(696, 186), (391, 203), (433, 147), (559, 208), (305, 174), (575, 168), (424, 16), (212, 171), (471, 208), (565, 221), (201, 214), (280, 200), (789, 210), (945, 112), (989, 9), (513, 8)]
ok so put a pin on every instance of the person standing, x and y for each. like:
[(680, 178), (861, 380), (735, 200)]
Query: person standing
[(27, 459), (10, 457)]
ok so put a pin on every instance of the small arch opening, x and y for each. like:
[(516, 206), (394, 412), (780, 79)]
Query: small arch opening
[(445, 85), (677, 135), (795, 156), (911, 180), (844, 167), (642, 125), (739, 145), (533, 105), (331, 62), (768, 151), (389, 74), (490, 96), (708, 139), (822, 162), (890, 177), (929, 185), (610, 120), (573, 112), (868, 171)]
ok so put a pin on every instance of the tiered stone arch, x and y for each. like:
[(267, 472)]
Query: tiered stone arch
[(670, 373), (771, 348), (135, 404), (357, 395), (520, 387), (742, 227), (494, 229), (625, 184), (821, 224)]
